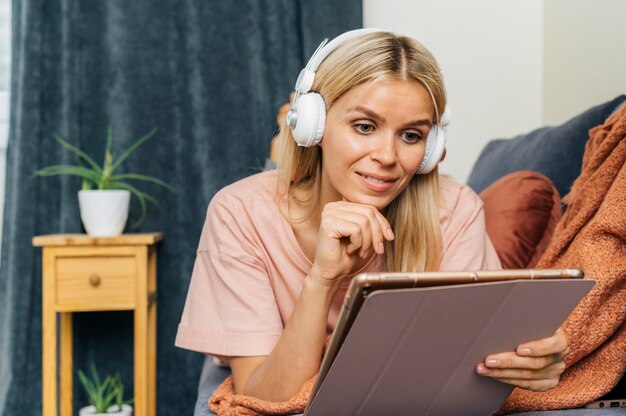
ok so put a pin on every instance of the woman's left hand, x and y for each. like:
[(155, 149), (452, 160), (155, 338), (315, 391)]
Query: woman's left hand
[(536, 365)]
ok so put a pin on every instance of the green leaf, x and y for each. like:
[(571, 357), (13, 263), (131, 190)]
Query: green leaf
[(79, 152), (107, 172), (119, 398), (107, 166), (88, 385), (105, 394), (141, 197), (108, 149), (68, 170), (86, 185), (112, 396), (132, 148), (97, 396), (135, 191), (146, 178), (96, 378)]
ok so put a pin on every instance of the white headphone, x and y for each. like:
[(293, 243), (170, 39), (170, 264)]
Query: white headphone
[(307, 116)]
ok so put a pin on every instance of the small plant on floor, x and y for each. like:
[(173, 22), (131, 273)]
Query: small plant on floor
[(104, 395)]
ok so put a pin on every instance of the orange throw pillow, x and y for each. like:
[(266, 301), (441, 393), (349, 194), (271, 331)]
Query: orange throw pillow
[(521, 212)]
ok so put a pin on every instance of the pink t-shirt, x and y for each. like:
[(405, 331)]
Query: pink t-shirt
[(249, 267)]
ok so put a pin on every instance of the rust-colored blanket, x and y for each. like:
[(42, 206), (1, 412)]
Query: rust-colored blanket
[(591, 235), (225, 402)]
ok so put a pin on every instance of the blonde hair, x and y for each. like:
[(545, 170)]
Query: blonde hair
[(414, 214)]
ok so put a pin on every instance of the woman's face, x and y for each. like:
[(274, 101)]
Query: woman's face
[(374, 141)]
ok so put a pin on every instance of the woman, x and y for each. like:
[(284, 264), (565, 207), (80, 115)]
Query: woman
[(361, 193)]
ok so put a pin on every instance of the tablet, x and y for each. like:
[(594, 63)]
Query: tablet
[(408, 343)]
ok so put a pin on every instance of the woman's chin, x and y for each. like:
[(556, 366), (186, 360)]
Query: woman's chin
[(379, 203)]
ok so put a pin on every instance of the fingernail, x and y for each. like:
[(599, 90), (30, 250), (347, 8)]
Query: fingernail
[(381, 248), (524, 351), (390, 234), (492, 363), (365, 253), (481, 369)]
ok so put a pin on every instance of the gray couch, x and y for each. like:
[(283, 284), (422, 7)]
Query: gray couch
[(553, 151)]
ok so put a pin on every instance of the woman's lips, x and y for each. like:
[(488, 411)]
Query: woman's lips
[(376, 183)]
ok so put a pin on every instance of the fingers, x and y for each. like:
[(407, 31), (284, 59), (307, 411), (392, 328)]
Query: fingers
[(347, 231), (541, 379), (351, 230), (535, 365), (374, 228), (557, 343), (364, 225), (555, 369), (512, 360)]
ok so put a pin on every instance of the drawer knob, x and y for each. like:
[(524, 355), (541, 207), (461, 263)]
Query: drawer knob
[(94, 280)]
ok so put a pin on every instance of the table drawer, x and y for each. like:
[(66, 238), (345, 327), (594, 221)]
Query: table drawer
[(96, 282)]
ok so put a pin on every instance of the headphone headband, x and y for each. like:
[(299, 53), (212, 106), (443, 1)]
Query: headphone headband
[(307, 75)]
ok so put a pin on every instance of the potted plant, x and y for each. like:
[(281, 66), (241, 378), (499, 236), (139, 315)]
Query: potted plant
[(105, 194), (106, 397)]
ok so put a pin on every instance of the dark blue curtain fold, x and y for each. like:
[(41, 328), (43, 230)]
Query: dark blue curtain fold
[(210, 76)]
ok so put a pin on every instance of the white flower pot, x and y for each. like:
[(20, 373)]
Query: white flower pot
[(104, 212), (111, 411)]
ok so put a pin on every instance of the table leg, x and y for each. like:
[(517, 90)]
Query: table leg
[(66, 363), (152, 330), (49, 363), (152, 360), (49, 340), (141, 336)]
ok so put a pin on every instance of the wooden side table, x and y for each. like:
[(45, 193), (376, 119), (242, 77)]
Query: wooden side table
[(83, 273)]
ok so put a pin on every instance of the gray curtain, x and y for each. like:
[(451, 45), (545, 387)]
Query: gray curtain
[(210, 75)]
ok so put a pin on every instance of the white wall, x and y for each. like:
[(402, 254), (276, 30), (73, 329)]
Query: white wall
[(512, 66), (584, 55)]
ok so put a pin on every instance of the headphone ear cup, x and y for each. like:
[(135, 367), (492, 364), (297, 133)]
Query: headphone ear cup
[(435, 145), (311, 119)]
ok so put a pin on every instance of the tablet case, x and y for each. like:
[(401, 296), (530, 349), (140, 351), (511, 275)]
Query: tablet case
[(414, 351)]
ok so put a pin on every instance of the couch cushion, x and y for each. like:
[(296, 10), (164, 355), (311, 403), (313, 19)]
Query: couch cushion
[(557, 151), (521, 212)]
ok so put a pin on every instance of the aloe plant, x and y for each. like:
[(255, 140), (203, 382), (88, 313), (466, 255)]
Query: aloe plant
[(106, 177), (103, 394)]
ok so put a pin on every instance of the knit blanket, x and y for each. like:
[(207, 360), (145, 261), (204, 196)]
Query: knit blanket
[(225, 402), (591, 235)]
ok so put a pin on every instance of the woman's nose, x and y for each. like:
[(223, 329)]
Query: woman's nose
[(384, 150)]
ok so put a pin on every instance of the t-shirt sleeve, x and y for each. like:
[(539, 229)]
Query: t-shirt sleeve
[(466, 245), (230, 308)]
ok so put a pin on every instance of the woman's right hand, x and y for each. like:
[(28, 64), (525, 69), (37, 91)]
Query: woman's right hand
[(348, 232)]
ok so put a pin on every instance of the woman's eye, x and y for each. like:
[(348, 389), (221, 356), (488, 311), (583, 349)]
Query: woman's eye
[(412, 137), (364, 127)]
